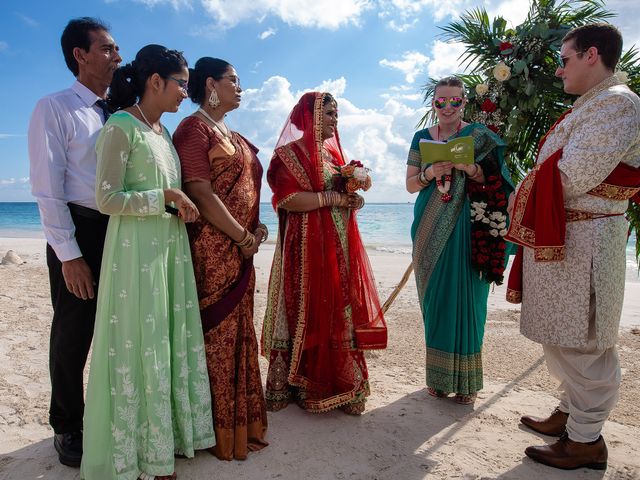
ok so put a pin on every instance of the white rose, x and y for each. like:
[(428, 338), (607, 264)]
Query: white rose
[(482, 88), (501, 72), (622, 76), (360, 174)]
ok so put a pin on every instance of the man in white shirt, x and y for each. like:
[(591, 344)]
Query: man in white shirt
[(62, 135)]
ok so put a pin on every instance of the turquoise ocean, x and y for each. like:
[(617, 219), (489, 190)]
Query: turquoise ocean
[(384, 226)]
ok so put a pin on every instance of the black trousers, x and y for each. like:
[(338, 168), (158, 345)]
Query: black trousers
[(73, 321)]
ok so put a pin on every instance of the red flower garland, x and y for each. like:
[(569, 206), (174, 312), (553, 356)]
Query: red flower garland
[(487, 251)]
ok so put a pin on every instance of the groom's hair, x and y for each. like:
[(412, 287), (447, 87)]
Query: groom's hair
[(604, 36)]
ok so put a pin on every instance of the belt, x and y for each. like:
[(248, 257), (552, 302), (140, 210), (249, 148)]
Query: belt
[(86, 212), (577, 215)]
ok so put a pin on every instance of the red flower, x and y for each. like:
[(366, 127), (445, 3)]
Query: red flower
[(493, 128), (488, 106), (505, 46)]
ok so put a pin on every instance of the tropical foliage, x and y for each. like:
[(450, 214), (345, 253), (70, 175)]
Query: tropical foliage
[(510, 74)]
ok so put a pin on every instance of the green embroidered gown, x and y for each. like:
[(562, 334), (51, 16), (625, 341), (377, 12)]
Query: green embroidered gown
[(148, 394)]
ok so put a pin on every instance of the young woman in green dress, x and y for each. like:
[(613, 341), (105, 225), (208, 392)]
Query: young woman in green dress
[(148, 394)]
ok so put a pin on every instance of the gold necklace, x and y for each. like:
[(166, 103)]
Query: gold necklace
[(147, 121), (225, 132)]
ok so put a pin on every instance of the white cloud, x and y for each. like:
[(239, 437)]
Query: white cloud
[(256, 66), (28, 20), (409, 9), (445, 59), (3, 46), (402, 26), (329, 14), (627, 21), (10, 135), (267, 33), (14, 181), (403, 13), (177, 4), (513, 11), (412, 64)]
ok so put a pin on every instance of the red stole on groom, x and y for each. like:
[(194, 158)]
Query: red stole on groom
[(539, 217)]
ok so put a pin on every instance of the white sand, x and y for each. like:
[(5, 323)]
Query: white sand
[(404, 434)]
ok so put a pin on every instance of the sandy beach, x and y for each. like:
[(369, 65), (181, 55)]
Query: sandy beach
[(404, 434)]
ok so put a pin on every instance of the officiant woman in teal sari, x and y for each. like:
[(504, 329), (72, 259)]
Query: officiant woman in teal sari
[(458, 243)]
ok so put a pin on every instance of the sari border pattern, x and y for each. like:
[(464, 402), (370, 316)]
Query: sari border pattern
[(437, 221)]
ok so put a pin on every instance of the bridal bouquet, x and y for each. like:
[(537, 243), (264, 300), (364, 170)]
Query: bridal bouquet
[(352, 177)]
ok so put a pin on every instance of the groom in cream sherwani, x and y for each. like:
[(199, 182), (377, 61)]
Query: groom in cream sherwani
[(572, 296)]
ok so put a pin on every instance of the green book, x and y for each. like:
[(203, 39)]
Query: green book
[(456, 150)]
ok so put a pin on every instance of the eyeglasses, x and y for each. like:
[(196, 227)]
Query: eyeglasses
[(563, 60), (183, 84), (235, 80), (441, 102)]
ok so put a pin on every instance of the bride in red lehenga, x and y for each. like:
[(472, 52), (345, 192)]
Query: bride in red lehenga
[(322, 306)]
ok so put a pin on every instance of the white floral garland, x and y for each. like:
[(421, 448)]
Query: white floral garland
[(496, 220)]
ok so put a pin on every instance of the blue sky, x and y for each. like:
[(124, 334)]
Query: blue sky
[(374, 55)]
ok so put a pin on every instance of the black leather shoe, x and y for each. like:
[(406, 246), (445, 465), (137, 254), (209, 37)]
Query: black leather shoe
[(69, 448)]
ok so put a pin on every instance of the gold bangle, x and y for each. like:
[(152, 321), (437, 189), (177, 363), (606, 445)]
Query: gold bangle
[(331, 198), (320, 199), (245, 233), (247, 240)]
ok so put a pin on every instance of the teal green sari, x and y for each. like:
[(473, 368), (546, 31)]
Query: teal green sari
[(453, 295)]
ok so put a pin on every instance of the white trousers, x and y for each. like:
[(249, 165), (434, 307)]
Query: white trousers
[(589, 383)]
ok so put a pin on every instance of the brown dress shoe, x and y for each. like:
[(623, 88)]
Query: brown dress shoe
[(554, 425), (569, 455)]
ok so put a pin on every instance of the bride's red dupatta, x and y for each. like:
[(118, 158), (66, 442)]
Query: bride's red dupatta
[(329, 291)]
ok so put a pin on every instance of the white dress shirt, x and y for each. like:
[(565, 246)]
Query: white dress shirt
[(62, 137)]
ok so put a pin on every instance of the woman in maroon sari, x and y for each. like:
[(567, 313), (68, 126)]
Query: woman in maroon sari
[(222, 175), (322, 306)]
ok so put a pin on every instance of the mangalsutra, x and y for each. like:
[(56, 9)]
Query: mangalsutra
[(147, 121), (225, 132)]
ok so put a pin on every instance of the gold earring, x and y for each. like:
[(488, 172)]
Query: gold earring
[(214, 100)]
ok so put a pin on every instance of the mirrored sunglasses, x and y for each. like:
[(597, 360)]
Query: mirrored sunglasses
[(441, 102)]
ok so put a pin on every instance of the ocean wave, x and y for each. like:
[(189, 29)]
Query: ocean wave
[(397, 249)]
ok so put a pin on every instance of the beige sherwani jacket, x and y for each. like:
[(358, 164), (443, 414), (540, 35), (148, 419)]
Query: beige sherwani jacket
[(602, 130)]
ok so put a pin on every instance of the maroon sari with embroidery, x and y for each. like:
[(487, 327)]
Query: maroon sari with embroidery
[(322, 306), (226, 284)]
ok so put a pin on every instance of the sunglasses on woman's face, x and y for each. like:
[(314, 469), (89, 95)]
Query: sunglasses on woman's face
[(441, 102)]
